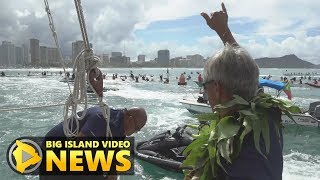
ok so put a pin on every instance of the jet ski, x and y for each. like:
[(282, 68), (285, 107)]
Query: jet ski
[(165, 150)]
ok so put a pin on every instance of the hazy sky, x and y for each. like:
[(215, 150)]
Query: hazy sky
[(265, 27)]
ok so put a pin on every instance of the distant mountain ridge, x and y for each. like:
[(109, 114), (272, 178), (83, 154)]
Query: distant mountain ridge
[(287, 61)]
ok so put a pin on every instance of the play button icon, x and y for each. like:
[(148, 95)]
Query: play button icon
[(27, 155)]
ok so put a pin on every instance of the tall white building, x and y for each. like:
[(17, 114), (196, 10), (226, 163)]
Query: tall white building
[(44, 55), (2, 61), (35, 52), (118, 58), (195, 60), (141, 58), (116, 54), (8, 54), (19, 55), (105, 59), (53, 56), (77, 47), (26, 54), (163, 57)]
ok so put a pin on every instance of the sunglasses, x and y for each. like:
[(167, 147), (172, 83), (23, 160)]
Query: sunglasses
[(136, 127), (205, 84)]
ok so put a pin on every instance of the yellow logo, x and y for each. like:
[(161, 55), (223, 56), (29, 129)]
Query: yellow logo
[(27, 155), (53, 156)]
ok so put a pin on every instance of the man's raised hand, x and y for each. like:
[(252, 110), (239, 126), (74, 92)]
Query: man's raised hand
[(218, 20)]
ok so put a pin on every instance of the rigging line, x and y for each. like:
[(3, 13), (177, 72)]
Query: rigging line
[(82, 24), (55, 37), (83, 70), (32, 107), (37, 107)]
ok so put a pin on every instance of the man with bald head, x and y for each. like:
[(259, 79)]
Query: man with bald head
[(123, 122)]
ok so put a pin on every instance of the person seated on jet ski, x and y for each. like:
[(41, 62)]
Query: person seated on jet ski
[(222, 82), (204, 98)]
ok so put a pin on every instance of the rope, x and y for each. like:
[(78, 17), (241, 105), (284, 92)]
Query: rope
[(82, 24), (83, 67), (36, 107), (55, 37), (32, 107)]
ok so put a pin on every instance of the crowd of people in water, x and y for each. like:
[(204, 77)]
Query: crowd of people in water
[(300, 79), (182, 79), (301, 74), (309, 77), (43, 73), (137, 78)]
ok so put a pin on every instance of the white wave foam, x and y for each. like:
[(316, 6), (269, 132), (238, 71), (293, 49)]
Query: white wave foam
[(299, 166)]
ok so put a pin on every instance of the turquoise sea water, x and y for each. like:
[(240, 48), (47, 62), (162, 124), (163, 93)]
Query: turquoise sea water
[(161, 101)]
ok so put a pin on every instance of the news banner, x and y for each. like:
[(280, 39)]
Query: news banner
[(81, 156)]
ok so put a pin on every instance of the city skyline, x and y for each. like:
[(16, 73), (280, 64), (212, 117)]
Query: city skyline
[(37, 55)]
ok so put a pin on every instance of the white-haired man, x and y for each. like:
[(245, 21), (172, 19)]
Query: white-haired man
[(232, 71)]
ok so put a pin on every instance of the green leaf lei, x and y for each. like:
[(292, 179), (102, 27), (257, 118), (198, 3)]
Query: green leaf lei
[(224, 137)]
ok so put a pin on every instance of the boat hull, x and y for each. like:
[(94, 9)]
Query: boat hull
[(301, 119), (196, 108)]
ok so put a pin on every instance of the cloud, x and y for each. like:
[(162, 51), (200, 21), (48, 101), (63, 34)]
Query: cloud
[(304, 47), (112, 25)]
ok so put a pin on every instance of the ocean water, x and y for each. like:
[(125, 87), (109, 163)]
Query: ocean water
[(161, 101)]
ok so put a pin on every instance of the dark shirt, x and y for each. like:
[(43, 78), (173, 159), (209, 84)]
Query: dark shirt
[(94, 124), (250, 164)]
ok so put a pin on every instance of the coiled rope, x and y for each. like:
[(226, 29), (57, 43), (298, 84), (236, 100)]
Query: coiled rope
[(84, 67)]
